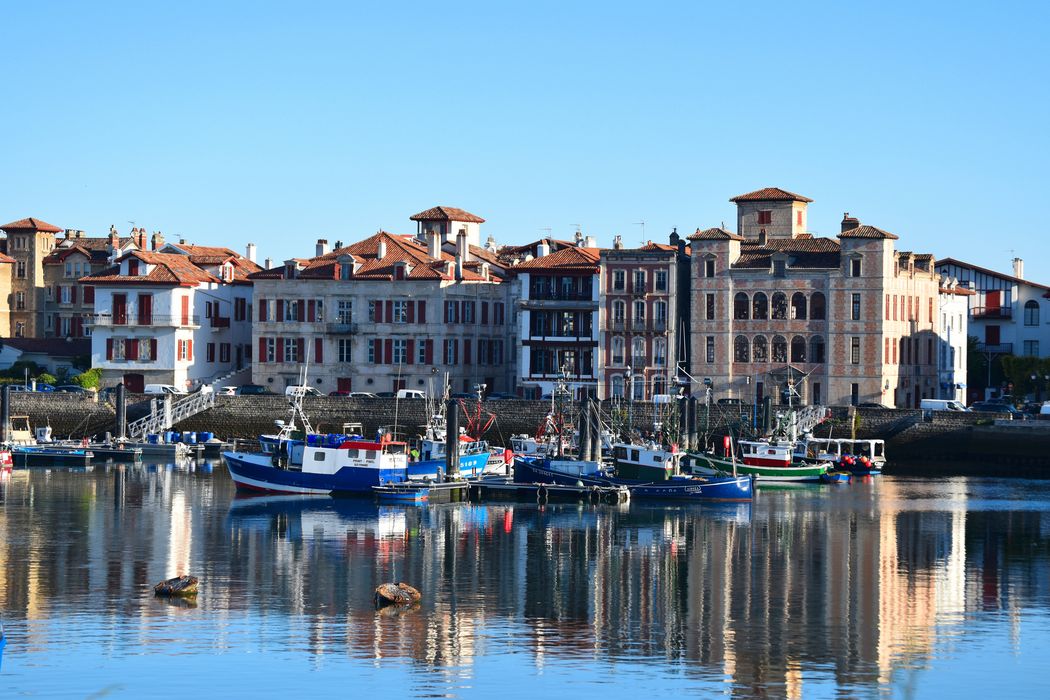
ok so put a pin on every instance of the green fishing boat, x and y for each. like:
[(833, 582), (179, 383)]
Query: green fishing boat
[(766, 461)]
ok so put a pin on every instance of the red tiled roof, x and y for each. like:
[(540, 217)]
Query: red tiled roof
[(714, 234), (865, 231), (567, 258), (958, 291), (6, 259), (659, 246), (805, 253), (447, 214), (770, 194), (986, 271), (31, 224), (169, 269)]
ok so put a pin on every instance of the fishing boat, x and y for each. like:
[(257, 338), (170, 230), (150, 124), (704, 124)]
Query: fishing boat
[(767, 461), (836, 476), (648, 461), (402, 493), (575, 472), (299, 460)]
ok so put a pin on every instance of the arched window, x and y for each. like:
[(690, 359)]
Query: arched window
[(660, 352), (741, 306), (816, 349), (617, 350), (619, 311), (617, 386), (760, 306), (798, 305), (798, 349), (761, 349), (780, 349), (780, 306), (817, 306), (638, 353), (1031, 313), (741, 349)]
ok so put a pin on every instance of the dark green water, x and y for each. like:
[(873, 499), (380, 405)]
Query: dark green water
[(889, 588)]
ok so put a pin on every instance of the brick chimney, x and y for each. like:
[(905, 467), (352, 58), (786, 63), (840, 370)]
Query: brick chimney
[(157, 242), (114, 238), (849, 222)]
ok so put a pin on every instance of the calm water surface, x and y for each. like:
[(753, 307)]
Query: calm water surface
[(890, 588)]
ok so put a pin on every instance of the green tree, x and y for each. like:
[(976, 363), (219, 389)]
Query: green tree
[(46, 378), (89, 379), (1027, 374)]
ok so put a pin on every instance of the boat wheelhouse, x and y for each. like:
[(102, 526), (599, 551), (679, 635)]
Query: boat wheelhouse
[(766, 461), (812, 449), (648, 462)]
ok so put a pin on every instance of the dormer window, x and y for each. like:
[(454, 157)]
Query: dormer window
[(133, 267), (854, 267), (289, 271), (227, 272), (780, 268), (346, 270)]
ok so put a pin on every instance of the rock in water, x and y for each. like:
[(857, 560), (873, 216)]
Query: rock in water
[(396, 594), (178, 586)]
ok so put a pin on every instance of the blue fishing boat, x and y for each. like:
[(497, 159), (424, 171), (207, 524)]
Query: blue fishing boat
[(836, 477), (402, 493), (306, 462), (574, 472), (47, 456)]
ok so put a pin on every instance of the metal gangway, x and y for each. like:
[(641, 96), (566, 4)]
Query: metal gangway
[(809, 417), (164, 413)]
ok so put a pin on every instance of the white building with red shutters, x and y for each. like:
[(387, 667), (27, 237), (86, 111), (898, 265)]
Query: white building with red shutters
[(179, 316), (389, 312)]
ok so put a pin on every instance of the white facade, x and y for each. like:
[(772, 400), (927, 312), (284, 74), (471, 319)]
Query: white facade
[(952, 337), (160, 333)]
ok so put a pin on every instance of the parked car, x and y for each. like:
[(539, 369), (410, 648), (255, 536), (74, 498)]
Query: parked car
[(500, 396), (384, 395), (1006, 409), (1044, 410), (362, 395), (45, 388), (295, 390), (19, 388), (871, 404), (253, 390), (339, 393), (459, 395), (411, 394), (941, 405), (226, 391), (71, 389), (163, 389)]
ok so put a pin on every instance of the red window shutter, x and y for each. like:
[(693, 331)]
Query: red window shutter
[(429, 350), (262, 350), (89, 295), (211, 352), (279, 355), (153, 348), (484, 313), (466, 351), (388, 351), (302, 310), (377, 351), (311, 311), (389, 311), (133, 349), (422, 304), (411, 312), (318, 350), (262, 310), (109, 348), (411, 351), (378, 306), (78, 326), (300, 345), (58, 293), (73, 294), (189, 350), (280, 310)]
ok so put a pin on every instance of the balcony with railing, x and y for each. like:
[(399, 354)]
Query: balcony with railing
[(145, 320), (341, 327), (219, 321), (991, 312)]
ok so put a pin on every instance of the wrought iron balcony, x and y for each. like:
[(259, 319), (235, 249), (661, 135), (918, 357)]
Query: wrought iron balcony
[(144, 321), (982, 312)]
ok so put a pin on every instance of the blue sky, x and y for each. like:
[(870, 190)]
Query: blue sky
[(281, 123)]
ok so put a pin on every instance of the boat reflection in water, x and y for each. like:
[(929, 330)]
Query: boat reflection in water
[(807, 591)]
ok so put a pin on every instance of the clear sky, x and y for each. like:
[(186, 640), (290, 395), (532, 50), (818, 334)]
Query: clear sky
[(280, 123)]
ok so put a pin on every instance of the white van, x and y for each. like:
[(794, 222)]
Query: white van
[(410, 394), (301, 391), (163, 389), (941, 405)]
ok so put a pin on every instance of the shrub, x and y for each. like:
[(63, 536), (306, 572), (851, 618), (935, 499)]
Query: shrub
[(46, 378), (89, 379)]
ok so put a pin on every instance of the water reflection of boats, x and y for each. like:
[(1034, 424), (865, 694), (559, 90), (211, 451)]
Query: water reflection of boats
[(317, 517)]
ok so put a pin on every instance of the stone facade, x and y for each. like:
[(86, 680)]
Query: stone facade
[(826, 321), (28, 242)]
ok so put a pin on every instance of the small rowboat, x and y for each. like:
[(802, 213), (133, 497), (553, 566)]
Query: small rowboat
[(178, 586), (836, 477)]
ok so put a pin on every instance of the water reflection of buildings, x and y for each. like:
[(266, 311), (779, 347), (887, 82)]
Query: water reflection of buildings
[(853, 587)]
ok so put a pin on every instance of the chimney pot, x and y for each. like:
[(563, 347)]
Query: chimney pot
[(269, 263), (381, 250), (250, 252), (322, 247), (1019, 268)]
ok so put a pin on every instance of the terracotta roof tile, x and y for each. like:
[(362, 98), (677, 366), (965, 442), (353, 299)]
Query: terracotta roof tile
[(770, 194), (714, 234), (6, 259), (169, 269), (567, 258), (447, 214), (804, 253), (987, 271), (865, 231), (31, 224)]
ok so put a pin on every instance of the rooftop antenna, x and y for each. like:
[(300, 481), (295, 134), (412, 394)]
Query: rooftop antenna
[(642, 224)]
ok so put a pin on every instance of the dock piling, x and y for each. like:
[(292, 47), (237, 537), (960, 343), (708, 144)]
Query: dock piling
[(122, 412), (5, 415), (451, 438)]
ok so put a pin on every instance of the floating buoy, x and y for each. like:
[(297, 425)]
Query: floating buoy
[(396, 594), (178, 586)]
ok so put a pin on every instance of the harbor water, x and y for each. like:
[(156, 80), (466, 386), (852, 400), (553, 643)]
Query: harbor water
[(886, 587)]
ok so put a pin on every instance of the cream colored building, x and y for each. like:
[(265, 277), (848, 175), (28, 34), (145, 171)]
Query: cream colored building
[(28, 242), (778, 311)]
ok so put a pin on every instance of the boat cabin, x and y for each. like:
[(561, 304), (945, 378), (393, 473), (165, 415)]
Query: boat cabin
[(765, 454), (649, 462), (833, 449)]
